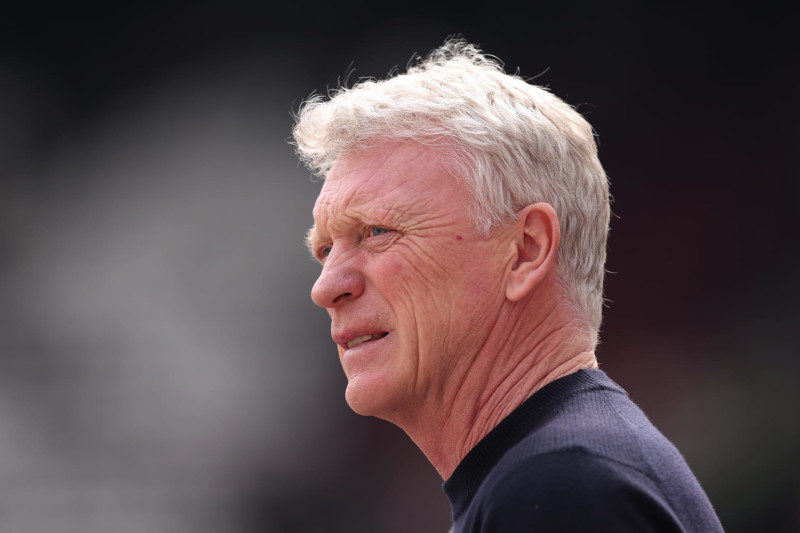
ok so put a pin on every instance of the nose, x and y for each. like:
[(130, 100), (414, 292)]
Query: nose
[(339, 282)]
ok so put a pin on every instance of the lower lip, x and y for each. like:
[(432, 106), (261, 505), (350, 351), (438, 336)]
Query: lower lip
[(366, 344)]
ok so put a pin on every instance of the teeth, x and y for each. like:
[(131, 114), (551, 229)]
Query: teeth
[(363, 338)]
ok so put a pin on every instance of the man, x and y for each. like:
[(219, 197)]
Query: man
[(461, 229)]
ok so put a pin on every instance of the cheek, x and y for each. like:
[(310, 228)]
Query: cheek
[(437, 288), (420, 307), (406, 274)]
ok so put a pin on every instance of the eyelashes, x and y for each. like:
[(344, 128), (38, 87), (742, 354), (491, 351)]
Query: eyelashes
[(371, 232), (377, 231)]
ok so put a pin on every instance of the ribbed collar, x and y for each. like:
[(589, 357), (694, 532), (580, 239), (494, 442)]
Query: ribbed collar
[(462, 485)]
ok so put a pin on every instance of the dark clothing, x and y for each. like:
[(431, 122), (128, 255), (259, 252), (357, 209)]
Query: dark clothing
[(577, 456)]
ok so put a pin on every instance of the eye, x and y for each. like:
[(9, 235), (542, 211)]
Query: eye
[(376, 231), (325, 252)]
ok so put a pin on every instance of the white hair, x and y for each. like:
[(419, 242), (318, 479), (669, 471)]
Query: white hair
[(514, 143)]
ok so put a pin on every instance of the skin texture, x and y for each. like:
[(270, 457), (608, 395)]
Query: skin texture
[(467, 326)]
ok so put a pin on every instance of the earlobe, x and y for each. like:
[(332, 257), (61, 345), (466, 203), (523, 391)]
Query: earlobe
[(536, 239)]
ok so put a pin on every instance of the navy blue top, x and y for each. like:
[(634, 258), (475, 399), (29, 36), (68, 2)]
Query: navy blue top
[(577, 456)]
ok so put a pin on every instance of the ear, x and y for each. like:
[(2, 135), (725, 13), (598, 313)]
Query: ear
[(536, 238)]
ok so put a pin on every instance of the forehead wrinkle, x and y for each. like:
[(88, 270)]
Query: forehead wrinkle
[(374, 195), (377, 169), (384, 204)]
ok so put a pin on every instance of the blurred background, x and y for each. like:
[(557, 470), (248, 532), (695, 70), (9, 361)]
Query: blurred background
[(162, 368)]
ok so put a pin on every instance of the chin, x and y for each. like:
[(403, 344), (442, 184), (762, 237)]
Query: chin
[(368, 396)]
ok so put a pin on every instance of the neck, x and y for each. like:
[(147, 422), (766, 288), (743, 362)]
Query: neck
[(513, 363)]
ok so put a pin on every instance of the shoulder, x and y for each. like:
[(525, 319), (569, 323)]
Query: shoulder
[(571, 490), (590, 462)]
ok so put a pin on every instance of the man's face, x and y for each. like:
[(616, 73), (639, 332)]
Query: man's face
[(411, 287)]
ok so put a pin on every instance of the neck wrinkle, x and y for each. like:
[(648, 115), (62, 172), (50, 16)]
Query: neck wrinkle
[(509, 368), (527, 370)]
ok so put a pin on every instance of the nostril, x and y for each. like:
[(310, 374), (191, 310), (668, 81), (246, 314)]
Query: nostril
[(342, 296)]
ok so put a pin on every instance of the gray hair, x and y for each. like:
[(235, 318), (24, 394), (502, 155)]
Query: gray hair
[(514, 143)]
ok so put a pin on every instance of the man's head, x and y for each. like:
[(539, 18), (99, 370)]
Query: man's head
[(428, 174), (406, 275), (511, 142)]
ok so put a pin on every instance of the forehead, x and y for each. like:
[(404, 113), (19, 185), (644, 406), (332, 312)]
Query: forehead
[(397, 176)]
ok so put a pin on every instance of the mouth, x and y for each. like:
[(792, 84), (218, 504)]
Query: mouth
[(361, 339)]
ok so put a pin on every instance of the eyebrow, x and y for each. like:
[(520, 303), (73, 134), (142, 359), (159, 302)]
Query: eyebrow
[(312, 238)]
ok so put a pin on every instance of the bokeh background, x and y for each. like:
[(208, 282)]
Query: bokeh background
[(162, 368)]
